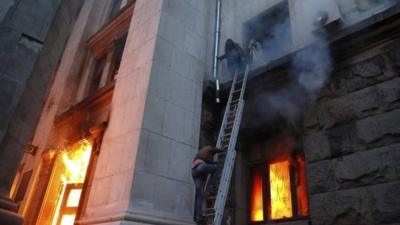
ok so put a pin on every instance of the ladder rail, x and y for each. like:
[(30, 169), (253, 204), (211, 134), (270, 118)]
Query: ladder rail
[(224, 120), (246, 74), (234, 107), (223, 189)]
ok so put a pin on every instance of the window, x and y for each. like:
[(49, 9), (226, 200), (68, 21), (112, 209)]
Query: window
[(278, 190), (272, 32), (107, 65), (106, 48), (117, 5)]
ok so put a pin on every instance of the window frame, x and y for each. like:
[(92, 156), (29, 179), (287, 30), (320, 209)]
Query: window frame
[(101, 45), (264, 165)]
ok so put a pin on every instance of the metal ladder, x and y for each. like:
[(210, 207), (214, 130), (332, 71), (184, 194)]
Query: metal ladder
[(226, 158)]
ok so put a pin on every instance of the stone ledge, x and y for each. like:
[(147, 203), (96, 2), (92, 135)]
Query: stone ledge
[(131, 216)]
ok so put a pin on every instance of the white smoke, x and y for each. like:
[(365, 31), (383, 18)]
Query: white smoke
[(309, 71), (311, 67)]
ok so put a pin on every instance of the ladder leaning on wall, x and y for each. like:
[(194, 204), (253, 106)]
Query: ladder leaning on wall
[(226, 158)]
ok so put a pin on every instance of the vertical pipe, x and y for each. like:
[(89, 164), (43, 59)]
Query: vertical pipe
[(216, 47)]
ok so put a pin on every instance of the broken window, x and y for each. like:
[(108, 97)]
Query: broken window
[(64, 189), (270, 33), (279, 190)]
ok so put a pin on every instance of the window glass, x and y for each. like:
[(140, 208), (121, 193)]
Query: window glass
[(98, 71), (119, 50)]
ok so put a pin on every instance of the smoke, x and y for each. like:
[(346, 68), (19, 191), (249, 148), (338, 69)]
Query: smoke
[(310, 67), (276, 44), (309, 70)]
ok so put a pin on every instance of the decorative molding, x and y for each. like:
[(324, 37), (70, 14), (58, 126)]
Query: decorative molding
[(131, 216), (113, 30)]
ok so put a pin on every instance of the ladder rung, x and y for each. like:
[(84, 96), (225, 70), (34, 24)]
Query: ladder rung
[(237, 91), (208, 211), (235, 101), (225, 141), (231, 119), (212, 196), (230, 122), (229, 128)]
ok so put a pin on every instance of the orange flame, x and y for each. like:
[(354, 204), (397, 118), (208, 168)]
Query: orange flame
[(76, 162), (257, 209), (281, 199), (302, 199)]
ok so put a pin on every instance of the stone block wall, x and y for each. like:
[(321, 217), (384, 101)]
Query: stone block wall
[(352, 142), (162, 189), (33, 35)]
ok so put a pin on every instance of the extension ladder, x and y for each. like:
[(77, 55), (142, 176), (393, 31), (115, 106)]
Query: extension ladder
[(226, 158)]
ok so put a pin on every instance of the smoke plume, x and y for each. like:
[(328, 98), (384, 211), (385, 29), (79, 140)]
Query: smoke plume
[(310, 67)]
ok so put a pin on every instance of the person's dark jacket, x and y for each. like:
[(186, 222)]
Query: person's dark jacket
[(206, 154), (234, 55)]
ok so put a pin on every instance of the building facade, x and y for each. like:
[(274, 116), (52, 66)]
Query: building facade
[(130, 98)]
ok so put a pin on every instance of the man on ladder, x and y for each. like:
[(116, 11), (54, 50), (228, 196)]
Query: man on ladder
[(217, 189)]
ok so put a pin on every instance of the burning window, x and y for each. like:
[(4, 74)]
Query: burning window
[(279, 190), (257, 198), (65, 186)]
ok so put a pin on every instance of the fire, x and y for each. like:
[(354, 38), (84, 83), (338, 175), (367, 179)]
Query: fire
[(257, 209), (281, 199), (65, 186), (302, 194), (76, 162)]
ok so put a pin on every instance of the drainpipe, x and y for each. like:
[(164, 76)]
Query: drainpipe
[(216, 48)]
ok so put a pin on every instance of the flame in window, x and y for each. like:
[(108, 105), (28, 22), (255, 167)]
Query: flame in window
[(281, 199), (65, 186), (257, 209), (301, 187), (76, 163)]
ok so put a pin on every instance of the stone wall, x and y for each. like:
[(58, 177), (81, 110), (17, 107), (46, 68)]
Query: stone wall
[(352, 137), (33, 35), (162, 190)]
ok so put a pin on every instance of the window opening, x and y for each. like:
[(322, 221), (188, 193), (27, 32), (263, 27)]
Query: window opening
[(63, 191), (278, 190)]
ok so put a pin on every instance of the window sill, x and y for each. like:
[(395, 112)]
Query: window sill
[(303, 220)]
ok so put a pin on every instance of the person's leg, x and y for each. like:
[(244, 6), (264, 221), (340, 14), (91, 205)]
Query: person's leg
[(199, 181), (210, 169)]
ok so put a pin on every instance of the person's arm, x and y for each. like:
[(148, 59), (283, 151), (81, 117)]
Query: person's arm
[(221, 57), (215, 150)]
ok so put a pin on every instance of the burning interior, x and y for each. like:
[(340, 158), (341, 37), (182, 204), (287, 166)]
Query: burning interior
[(64, 190), (278, 186)]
